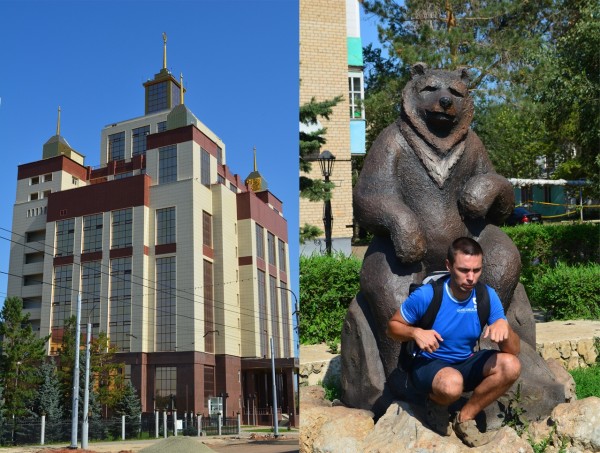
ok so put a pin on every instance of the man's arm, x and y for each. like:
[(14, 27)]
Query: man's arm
[(500, 332), (398, 329)]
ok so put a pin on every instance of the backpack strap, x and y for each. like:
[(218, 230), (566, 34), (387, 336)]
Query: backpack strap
[(483, 303), (426, 322)]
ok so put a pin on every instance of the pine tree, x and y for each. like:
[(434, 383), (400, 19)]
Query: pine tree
[(22, 354), (130, 406), (311, 141), (48, 400)]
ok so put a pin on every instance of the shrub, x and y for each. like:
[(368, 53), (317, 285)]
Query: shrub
[(568, 292), (327, 286)]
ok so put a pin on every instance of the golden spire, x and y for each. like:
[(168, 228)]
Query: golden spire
[(164, 50), (58, 122), (255, 158), (181, 87)]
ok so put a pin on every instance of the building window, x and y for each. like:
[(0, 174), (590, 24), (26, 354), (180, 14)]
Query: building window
[(48, 177), (166, 303), (167, 164), (547, 194), (165, 226), (138, 140), (274, 314), (260, 242), (157, 97), (175, 99), (116, 146), (207, 229), (124, 175), (33, 196), (165, 383), (65, 233), (35, 236), (90, 292), (61, 302), (262, 312), (75, 181), (356, 95), (121, 228), (233, 188), (161, 126), (46, 193), (285, 319), (282, 256), (209, 308), (526, 194), (205, 168), (92, 233), (219, 156), (119, 325), (35, 180), (271, 247)]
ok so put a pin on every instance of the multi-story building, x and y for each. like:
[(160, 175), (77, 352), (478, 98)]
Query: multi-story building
[(331, 65), (182, 263)]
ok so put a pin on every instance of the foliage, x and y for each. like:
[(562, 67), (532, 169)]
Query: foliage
[(327, 286), (534, 69), (542, 246), (129, 405), (568, 292), (513, 413), (22, 353), (332, 388), (311, 140), (587, 381), (48, 400), (309, 232), (105, 370)]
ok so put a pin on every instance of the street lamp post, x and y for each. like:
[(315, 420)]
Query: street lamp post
[(326, 160)]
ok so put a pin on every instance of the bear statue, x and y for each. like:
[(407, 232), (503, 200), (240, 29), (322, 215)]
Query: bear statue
[(426, 181)]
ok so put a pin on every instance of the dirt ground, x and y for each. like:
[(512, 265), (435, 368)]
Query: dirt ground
[(246, 443)]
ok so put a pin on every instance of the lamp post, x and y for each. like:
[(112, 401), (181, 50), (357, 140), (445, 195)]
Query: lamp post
[(326, 160)]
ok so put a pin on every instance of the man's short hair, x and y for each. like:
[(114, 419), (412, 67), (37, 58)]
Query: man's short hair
[(464, 245)]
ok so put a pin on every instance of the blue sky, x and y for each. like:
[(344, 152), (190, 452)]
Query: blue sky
[(239, 61)]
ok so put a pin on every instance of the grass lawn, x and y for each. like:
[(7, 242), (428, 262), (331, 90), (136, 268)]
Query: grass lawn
[(587, 381)]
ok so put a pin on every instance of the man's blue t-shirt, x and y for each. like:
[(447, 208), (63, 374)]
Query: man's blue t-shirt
[(457, 321)]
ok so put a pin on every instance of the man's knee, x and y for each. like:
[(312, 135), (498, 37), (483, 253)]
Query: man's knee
[(509, 366), (448, 383)]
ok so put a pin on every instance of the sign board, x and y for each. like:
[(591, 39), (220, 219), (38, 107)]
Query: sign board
[(215, 406)]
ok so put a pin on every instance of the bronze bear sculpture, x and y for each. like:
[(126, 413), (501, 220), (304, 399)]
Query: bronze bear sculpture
[(427, 180)]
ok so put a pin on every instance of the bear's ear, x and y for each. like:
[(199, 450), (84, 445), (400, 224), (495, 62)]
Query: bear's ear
[(463, 72), (418, 69)]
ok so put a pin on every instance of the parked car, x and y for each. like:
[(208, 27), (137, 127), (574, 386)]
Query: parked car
[(523, 216)]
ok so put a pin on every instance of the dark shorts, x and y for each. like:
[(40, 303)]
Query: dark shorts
[(424, 370)]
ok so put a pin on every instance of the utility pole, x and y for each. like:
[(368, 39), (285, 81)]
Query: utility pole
[(275, 421), (75, 406), (86, 394)]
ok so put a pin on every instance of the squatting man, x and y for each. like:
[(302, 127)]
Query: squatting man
[(446, 365)]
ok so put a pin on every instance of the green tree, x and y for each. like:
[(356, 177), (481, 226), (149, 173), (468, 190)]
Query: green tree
[(129, 405), (22, 354), (106, 370), (312, 138), (48, 400)]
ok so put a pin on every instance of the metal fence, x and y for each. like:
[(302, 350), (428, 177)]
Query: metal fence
[(36, 431)]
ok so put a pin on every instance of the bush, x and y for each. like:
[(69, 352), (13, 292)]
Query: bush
[(327, 286), (568, 292), (543, 246)]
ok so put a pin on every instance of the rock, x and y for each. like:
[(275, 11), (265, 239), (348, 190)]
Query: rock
[(563, 377), (333, 429), (313, 395), (578, 423)]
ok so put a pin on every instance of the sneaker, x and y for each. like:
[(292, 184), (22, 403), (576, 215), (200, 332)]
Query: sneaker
[(468, 432), (437, 418)]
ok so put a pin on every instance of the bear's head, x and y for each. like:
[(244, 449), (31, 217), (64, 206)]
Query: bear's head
[(437, 105)]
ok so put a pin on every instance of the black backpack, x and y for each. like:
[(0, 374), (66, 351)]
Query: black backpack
[(409, 350)]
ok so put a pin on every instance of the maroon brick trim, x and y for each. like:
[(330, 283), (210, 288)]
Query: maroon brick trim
[(91, 256), (103, 197), (58, 163), (245, 260), (182, 135), (249, 206), (260, 263), (62, 260), (165, 248), (272, 270), (146, 250), (121, 253), (283, 276), (208, 251)]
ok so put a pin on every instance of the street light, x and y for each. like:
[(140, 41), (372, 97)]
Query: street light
[(326, 160)]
